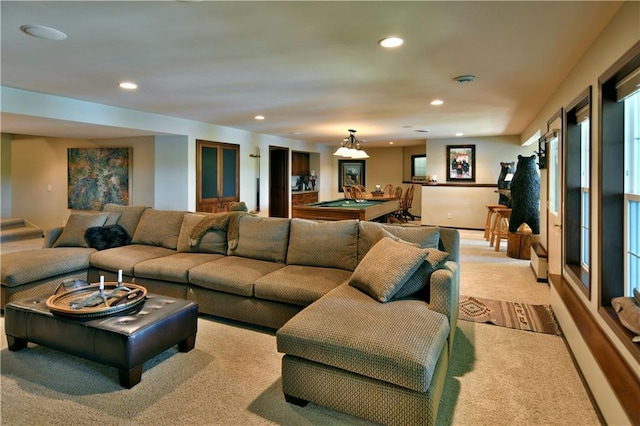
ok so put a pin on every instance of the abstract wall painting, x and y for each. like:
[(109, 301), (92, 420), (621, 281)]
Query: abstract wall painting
[(98, 176)]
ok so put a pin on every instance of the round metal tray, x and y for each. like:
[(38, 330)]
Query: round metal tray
[(70, 303)]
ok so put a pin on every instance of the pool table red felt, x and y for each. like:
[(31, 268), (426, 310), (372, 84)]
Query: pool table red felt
[(345, 209)]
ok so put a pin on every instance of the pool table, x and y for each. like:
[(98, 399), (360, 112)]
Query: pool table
[(346, 209)]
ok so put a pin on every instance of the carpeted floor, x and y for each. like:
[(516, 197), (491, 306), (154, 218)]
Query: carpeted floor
[(497, 375)]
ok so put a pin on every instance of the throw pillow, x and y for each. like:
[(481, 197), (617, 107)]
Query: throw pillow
[(421, 277), (73, 233), (386, 268), (112, 218), (130, 215), (108, 236), (368, 235)]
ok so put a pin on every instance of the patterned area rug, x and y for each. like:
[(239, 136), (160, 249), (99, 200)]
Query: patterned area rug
[(521, 316)]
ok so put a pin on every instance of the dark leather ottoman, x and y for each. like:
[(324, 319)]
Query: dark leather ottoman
[(124, 341)]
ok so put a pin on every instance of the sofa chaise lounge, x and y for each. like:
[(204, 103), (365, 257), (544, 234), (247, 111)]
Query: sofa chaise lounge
[(365, 312)]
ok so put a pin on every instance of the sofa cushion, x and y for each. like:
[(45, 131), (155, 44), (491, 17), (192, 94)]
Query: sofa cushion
[(368, 235), (174, 268), (105, 237), (126, 257), (397, 342), (24, 267), (323, 244), (263, 238), (232, 274), (213, 241), (422, 276), (159, 228), (386, 268), (129, 215), (299, 285), (73, 233)]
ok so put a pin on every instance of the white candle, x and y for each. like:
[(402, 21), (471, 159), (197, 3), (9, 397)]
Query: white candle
[(101, 282), (119, 276)]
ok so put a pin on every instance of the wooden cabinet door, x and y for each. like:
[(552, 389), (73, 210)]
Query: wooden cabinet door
[(300, 164), (218, 176)]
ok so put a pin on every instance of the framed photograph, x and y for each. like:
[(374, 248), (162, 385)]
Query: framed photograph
[(350, 172), (97, 176), (461, 163)]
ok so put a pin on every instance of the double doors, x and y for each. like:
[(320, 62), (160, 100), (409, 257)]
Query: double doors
[(218, 176)]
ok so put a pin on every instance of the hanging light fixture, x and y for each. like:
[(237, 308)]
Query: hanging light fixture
[(351, 147)]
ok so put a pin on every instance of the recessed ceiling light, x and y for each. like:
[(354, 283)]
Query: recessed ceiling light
[(422, 131), (41, 31), (128, 85), (391, 42), (459, 134), (407, 127), (436, 102), (464, 79), (259, 117), (390, 142)]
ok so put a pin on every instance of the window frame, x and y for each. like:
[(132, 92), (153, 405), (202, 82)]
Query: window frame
[(413, 165), (610, 194), (573, 265)]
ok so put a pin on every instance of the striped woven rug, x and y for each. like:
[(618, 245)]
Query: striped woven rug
[(520, 316)]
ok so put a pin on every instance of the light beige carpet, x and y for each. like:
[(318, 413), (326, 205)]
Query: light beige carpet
[(497, 376)]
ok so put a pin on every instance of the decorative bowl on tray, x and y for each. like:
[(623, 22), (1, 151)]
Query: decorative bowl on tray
[(93, 302)]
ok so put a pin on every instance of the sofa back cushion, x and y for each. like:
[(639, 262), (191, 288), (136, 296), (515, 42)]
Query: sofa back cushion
[(73, 233), (369, 233), (129, 216), (324, 244), (213, 241), (159, 228), (262, 238)]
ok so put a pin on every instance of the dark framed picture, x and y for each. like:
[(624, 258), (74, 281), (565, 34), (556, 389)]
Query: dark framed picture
[(461, 163), (350, 172)]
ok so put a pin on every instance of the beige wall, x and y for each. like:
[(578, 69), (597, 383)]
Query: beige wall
[(5, 175), (618, 37), (464, 206), (39, 175)]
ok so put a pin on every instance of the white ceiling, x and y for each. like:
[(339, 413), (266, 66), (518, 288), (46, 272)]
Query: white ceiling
[(309, 67)]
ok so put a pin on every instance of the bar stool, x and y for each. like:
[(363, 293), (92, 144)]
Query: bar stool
[(501, 227), (490, 216)]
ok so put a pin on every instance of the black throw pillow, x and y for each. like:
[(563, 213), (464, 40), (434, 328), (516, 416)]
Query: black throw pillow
[(105, 237)]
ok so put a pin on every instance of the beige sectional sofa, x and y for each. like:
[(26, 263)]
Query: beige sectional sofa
[(366, 312)]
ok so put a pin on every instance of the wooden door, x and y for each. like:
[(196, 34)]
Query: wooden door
[(278, 182), (554, 154), (218, 176)]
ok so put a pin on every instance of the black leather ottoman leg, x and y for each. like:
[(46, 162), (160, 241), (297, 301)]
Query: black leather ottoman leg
[(130, 378), (15, 343), (187, 344), (295, 400)]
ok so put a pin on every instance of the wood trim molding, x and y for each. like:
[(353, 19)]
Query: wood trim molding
[(474, 185), (615, 368)]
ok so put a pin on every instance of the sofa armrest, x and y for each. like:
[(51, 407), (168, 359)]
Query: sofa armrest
[(445, 295), (51, 235)]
